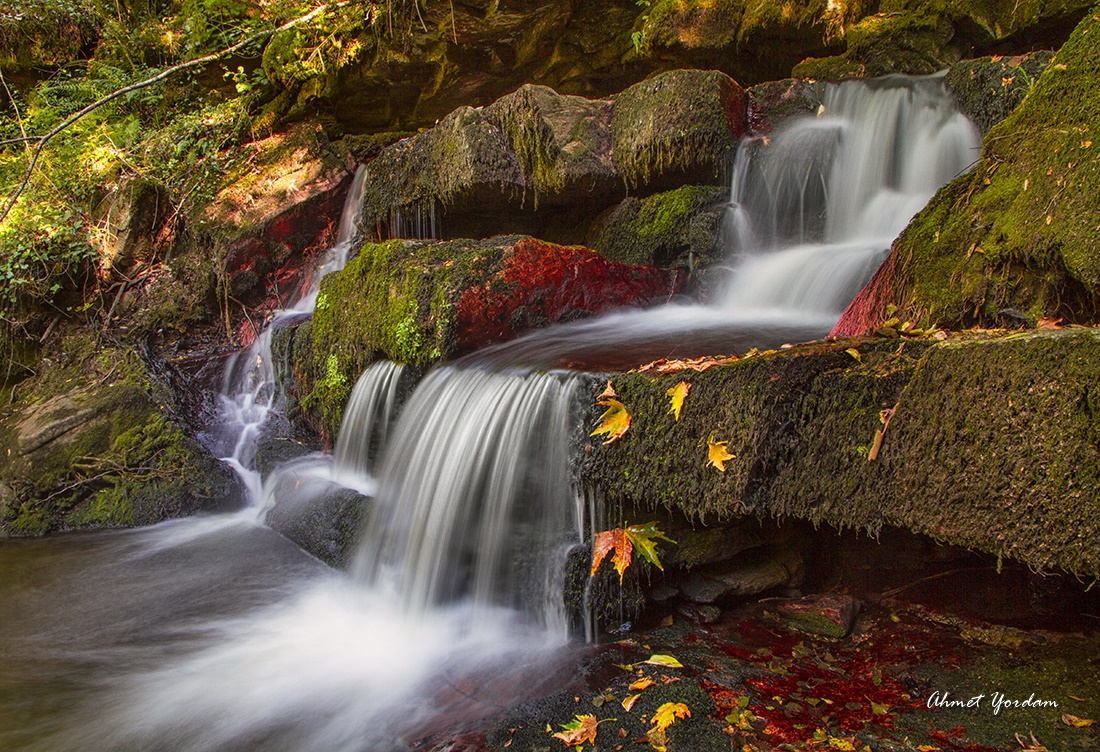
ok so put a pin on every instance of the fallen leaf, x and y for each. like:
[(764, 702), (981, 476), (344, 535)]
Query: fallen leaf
[(645, 537), (615, 420), (678, 394), (1072, 720), (608, 391), (718, 454), (642, 683), (880, 708), (855, 354), (1033, 746), (657, 739), (667, 714), (663, 365), (927, 748), (628, 702), (664, 660), (578, 731), (1047, 323), (612, 540)]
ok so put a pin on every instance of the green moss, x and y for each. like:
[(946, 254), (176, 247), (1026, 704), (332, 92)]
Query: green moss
[(659, 229), (1021, 232), (394, 300), (994, 443)]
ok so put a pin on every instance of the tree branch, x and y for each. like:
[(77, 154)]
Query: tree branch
[(43, 140)]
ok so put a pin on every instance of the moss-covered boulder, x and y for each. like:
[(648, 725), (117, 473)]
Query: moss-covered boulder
[(674, 228), (924, 36), (682, 126), (772, 102), (989, 443), (89, 445), (545, 164), (420, 302), (1016, 239), (988, 89)]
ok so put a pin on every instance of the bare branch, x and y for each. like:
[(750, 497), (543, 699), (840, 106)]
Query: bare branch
[(42, 140)]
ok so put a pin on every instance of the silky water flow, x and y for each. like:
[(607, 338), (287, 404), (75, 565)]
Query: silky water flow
[(215, 634)]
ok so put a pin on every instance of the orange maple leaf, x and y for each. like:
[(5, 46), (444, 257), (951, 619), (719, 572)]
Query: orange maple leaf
[(612, 540), (678, 394), (718, 454)]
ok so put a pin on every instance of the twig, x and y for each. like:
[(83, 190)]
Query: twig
[(43, 140), (18, 117)]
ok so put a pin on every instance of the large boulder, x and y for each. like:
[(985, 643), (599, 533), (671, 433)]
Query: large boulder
[(420, 302), (985, 442), (89, 446), (541, 163), (1016, 239)]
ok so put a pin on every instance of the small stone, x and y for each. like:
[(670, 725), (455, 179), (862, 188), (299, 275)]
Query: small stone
[(826, 615), (699, 614)]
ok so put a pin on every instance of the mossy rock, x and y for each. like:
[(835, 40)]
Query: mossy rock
[(417, 303), (1017, 238), (91, 447), (675, 228), (681, 126), (992, 443), (925, 36)]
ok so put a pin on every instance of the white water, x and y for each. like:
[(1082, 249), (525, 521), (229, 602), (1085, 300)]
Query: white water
[(816, 206), (249, 398)]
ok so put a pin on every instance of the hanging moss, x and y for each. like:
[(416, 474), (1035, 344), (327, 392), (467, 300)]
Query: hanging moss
[(993, 445)]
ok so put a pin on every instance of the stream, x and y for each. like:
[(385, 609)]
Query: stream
[(217, 634)]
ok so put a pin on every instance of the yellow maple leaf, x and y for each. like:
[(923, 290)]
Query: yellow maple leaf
[(718, 454), (678, 394), (578, 731), (667, 714), (614, 421), (612, 540), (628, 702)]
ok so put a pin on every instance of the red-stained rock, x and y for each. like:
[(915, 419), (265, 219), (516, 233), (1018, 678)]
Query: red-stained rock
[(867, 311), (539, 283), (826, 615)]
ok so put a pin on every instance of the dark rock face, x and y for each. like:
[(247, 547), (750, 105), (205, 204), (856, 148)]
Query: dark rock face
[(773, 102), (988, 89), (759, 572), (326, 524)]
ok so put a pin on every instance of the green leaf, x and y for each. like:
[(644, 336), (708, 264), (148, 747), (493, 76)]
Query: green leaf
[(645, 537)]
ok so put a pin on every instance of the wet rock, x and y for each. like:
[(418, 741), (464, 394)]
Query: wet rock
[(274, 452), (755, 573), (826, 615), (698, 614), (988, 89), (697, 546), (773, 102), (325, 521)]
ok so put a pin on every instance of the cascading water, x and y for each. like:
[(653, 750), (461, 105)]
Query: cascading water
[(458, 579), (475, 499), (249, 390), (816, 206)]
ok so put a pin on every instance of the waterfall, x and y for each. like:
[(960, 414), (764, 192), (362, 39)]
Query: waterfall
[(816, 206), (249, 394), (367, 418), (475, 499)]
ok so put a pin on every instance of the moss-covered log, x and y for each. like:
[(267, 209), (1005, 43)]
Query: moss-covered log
[(988, 443)]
